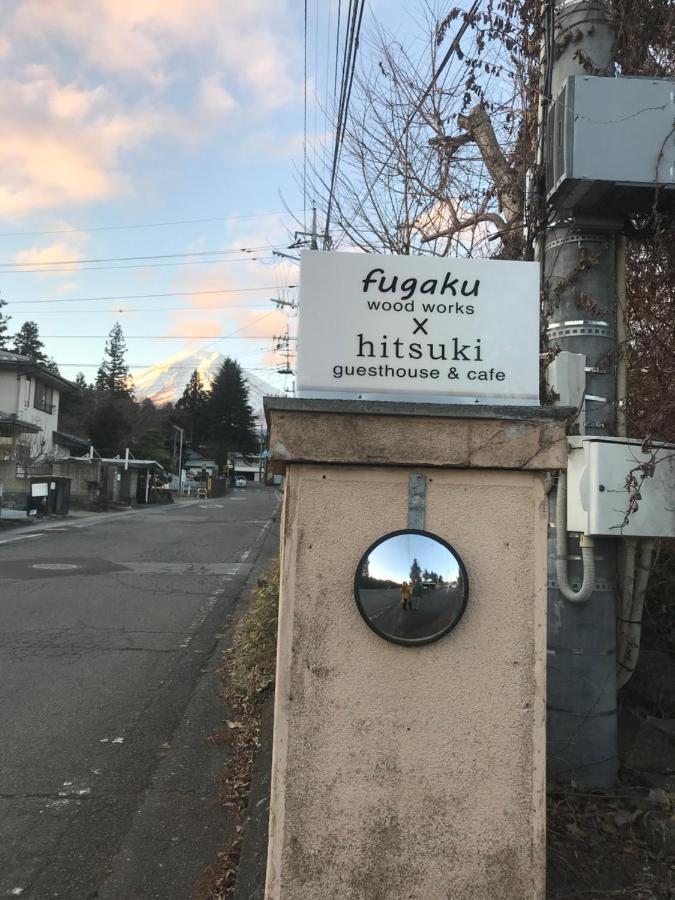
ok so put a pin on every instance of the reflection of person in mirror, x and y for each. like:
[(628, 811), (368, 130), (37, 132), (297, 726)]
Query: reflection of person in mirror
[(416, 594), (405, 595)]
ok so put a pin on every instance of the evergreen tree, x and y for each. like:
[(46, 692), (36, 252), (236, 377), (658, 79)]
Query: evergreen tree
[(76, 408), (4, 319), (27, 342), (230, 417), (81, 383), (415, 571), (152, 444), (51, 364), (192, 408), (113, 374), (109, 423)]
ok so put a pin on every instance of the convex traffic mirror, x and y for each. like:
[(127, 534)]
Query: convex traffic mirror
[(411, 587)]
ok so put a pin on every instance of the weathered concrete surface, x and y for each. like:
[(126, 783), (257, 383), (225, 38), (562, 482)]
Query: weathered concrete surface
[(449, 437), (409, 772)]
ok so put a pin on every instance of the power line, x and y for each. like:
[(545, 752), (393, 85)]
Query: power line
[(338, 121), (81, 365), (194, 262), (148, 296), (135, 309), (337, 51), (316, 84), (77, 262), (304, 138), (348, 68), (159, 337), (434, 78), (146, 224), (326, 88)]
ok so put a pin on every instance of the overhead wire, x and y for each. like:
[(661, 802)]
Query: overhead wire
[(82, 365), (326, 80), (148, 296), (159, 337), (122, 310), (138, 225), (77, 262), (354, 17), (339, 110), (337, 51), (196, 262), (304, 135), (434, 78), (315, 129)]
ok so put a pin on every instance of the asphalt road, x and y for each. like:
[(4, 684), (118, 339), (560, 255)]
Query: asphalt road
[(111, 628), (430, 614)]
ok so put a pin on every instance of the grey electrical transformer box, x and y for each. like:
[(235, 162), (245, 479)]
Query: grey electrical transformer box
[(611, 144)]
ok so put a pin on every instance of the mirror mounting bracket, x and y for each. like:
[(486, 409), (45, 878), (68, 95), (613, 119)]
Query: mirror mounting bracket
[(417, 500)]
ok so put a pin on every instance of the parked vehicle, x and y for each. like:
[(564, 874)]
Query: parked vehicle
[(240, 482)]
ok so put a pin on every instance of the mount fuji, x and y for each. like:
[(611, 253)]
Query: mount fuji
[(166, 380)]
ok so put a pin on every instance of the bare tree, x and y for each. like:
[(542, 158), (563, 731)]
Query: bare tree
[(29, 450), (438, 141)]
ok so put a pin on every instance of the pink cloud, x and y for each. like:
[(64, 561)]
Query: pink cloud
[(250, 44), (189, 326), (62, 145), (235, 316), (65, 139), (69, 247)]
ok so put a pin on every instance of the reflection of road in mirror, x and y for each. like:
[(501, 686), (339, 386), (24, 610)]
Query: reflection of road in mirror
[(411, 587)]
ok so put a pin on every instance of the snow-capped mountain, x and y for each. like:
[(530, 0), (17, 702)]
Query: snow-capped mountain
[(165, 381)]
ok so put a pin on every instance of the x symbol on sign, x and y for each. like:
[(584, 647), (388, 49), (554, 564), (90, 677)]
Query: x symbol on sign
[(420, 325)]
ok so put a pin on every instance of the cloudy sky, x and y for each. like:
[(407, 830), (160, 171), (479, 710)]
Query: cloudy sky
[(122, 118)]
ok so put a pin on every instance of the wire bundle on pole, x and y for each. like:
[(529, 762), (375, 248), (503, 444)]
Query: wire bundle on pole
[(354, 19)]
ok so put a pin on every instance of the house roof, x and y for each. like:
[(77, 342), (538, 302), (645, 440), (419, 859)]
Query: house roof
[(15, 362), (193, 455), (13, 423), (70, 440)]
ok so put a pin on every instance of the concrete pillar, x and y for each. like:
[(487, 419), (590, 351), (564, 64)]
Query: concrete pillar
[(398, 771)]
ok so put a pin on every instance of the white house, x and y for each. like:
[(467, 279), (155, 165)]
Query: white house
[(30, 443), (29, 408)]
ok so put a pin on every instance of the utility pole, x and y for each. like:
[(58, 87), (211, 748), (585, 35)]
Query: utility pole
[(580, 291), (305, 238), (177, 428)]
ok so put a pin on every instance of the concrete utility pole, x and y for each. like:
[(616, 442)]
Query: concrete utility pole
[(580, 296)]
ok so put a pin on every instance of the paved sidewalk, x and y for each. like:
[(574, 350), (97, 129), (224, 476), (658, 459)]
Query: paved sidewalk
[(12, 520)]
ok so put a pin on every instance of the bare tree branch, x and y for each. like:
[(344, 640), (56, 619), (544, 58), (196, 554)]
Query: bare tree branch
[(478, 125), (463, 224)]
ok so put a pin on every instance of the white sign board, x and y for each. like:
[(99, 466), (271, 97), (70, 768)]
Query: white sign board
[(434, 329)]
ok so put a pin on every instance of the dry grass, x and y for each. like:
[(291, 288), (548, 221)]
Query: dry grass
[(248, 676), (251, 663), (609, 844)]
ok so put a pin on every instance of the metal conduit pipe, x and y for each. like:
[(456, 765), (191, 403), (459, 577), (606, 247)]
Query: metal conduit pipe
[(631, 628), (586, 544), (626, 565)]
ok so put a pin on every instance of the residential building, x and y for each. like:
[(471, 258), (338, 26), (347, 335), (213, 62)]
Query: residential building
[(29, 410), (30, 443)]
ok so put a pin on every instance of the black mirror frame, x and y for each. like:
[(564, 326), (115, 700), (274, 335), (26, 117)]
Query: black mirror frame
[(415, 642)]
